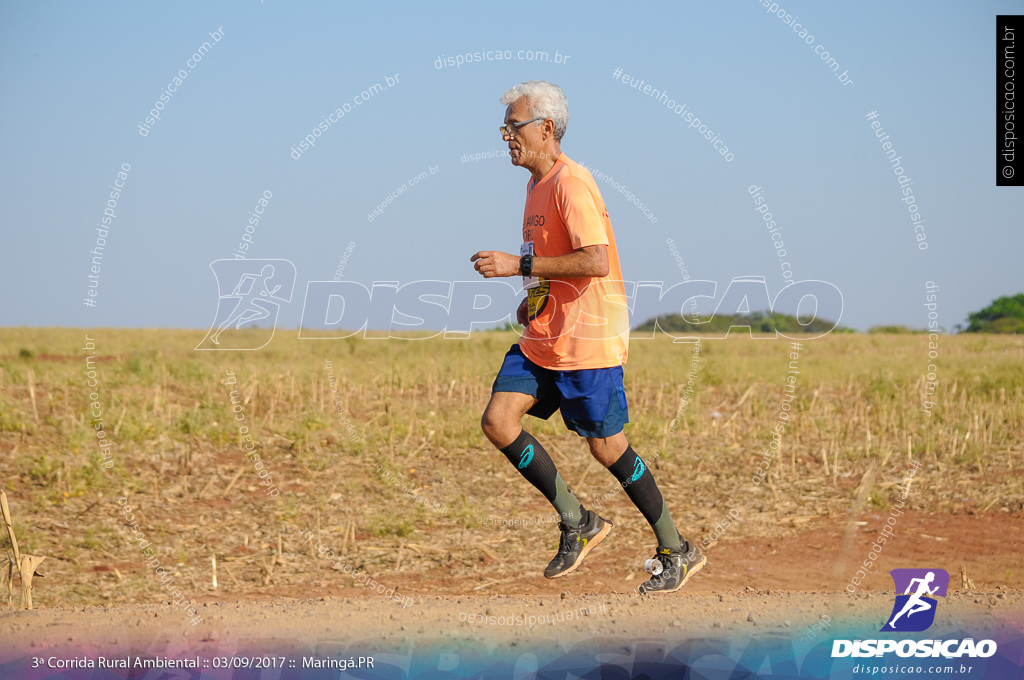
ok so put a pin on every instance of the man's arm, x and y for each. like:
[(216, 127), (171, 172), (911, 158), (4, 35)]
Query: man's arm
[(586, 261)]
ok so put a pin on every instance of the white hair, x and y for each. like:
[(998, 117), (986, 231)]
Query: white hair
[(546, 100)]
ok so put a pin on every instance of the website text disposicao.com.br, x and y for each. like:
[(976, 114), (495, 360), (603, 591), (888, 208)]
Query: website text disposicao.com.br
[(458, 60), (335, 116)]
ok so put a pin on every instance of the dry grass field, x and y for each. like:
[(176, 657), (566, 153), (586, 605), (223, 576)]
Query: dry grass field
[(398, 481)]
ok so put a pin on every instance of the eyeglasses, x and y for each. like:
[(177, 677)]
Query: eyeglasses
[(511, 129)]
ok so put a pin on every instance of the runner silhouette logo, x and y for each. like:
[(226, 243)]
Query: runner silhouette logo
[(250, 295), (914, 610)]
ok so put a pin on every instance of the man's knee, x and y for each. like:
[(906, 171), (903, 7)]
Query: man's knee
[(488, 424), (597, 447), (607, 450), (498, 428)]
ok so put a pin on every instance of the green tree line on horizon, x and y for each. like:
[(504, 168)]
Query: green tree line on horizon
[(758, 322), (1004, 315)]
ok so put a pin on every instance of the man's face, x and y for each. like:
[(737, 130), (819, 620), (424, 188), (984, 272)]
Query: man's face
[(525, 146)]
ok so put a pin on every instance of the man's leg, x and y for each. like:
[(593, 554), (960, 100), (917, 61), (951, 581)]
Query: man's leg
[(617, 455), (598, 410), (523, 387), (501, 423), (675, 560)]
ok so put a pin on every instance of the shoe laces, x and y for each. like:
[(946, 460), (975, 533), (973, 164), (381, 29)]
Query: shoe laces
[(666, 564), (569, 538)]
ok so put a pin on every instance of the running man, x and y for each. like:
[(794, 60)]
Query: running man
[(250, 307), (915, 603), (577, 330)]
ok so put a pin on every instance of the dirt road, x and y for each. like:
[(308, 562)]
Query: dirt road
[(462, 620)]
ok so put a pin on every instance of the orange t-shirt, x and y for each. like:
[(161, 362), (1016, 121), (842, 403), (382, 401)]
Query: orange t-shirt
[(580, 322)]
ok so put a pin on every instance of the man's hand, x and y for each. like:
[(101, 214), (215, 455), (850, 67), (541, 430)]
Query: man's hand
[(523, 313), (491, 263)]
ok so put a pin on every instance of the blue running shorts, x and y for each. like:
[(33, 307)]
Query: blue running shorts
[(592, 401)]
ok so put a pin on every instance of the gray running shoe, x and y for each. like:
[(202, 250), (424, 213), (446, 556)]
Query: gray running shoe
[(671, 569), (576, 543)]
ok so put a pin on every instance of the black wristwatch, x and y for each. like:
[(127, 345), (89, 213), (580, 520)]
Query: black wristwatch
[(526, 265)]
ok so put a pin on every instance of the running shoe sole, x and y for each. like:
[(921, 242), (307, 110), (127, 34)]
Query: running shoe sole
[(591, 544)]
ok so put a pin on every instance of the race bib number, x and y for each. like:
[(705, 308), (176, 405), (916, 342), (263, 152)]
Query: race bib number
[(536, 288), (537, 298)]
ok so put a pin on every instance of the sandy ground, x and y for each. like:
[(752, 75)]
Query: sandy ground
[(376, 625), (742, 593)]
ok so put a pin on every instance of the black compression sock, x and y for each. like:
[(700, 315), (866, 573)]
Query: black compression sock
[(641, 488), (534, 463)]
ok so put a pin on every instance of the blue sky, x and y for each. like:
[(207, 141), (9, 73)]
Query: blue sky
[(78, 80)]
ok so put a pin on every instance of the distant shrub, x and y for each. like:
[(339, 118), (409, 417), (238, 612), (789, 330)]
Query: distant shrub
[(1005, 315), (894, 329)]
